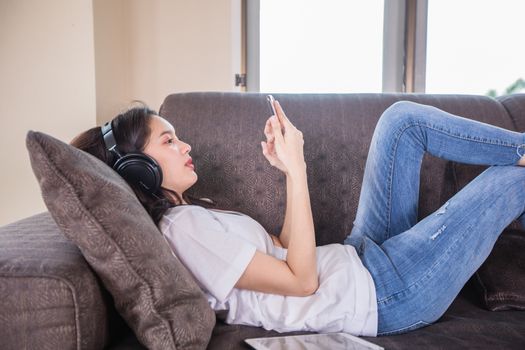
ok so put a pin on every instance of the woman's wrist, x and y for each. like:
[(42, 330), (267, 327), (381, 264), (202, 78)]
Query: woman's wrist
[(297, 173)]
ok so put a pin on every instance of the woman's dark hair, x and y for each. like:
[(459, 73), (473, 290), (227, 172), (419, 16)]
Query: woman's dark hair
[(132, 131)]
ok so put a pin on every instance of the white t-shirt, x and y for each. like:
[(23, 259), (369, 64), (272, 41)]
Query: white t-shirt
[(216, 247)]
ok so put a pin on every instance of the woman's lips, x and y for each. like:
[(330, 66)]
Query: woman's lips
[(189, 164)]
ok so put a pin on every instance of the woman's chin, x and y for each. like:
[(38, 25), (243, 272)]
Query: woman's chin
[(194, 181)]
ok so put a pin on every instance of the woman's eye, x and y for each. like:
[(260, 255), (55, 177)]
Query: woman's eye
[(169, 141)]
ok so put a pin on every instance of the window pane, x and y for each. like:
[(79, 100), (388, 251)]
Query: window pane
[(474, 46), (321, 46)]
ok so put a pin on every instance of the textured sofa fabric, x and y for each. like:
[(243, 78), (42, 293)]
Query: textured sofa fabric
[(497, 282), (49, 297), (225, 130), (98, 211)]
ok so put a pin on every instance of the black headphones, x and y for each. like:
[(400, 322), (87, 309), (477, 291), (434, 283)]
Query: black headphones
[(136, 168)]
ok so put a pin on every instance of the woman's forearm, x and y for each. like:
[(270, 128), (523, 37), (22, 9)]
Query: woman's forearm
[(300, 235), (285, 231)]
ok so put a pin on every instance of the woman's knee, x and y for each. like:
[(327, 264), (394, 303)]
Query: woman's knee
[(399, 117), (401, 114)]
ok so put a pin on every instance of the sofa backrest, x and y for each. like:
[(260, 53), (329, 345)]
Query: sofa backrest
[(515, 106), (225, 130)]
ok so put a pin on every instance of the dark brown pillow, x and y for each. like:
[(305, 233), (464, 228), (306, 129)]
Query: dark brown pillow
[(501, 278), (98, 211)]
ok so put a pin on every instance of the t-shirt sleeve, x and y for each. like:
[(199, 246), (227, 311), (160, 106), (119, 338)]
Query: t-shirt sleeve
[(216, 258)]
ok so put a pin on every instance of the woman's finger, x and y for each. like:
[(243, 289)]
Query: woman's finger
[(268, 128), (268, 132), (270, 140), (265, 152), (279, 117), (271, 158), (264, 147), (276, 128), (282, 116)]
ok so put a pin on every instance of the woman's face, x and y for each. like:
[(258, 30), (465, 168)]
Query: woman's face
[(172, 155)]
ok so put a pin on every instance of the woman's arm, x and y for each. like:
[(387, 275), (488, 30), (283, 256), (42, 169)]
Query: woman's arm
[(297, 276), (268, 274), (284, 236), (300, 238), (299, 273)]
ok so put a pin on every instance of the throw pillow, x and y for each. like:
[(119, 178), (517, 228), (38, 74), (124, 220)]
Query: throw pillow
[(501, 278), (97, 210)]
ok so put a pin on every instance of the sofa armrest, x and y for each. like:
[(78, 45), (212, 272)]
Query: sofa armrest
[(48, 293)]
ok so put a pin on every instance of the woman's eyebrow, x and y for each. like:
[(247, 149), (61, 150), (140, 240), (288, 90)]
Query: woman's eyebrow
[(166, 132)]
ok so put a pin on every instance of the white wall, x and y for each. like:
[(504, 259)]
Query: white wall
[(147, 49), (47, 83), (112, 57), (67, 65)]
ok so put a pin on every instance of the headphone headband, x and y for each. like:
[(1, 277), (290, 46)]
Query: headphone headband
[(109, 139)]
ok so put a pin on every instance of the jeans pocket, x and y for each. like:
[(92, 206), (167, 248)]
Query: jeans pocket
[(413, 326)]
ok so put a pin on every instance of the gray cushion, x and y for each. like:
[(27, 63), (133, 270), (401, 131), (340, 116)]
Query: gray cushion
[(98, 211)]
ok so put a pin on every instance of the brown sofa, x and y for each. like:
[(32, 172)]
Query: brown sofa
[(50, 298)]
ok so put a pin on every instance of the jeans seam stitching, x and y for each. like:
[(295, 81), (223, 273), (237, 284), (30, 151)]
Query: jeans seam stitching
[(449, 133), (397, 330), (390, 180)]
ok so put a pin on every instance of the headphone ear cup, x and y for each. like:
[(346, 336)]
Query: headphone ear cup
[(141, 170)]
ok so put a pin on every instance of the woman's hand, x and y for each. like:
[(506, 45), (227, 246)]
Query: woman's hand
[(284, 144)]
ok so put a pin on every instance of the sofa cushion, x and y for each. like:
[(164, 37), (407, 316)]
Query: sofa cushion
[(501, 278), (515, 106), (48, 293), (98, 211)]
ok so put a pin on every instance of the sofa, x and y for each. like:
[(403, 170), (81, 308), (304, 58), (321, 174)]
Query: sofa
[(51, 297)]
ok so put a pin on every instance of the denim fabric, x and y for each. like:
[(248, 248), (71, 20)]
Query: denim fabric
[(420, 267)]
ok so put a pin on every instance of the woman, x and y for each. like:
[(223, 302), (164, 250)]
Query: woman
[(391, 275)]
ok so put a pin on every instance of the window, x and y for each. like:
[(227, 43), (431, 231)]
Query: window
[(474, 46), (434, 46), (321, 45)]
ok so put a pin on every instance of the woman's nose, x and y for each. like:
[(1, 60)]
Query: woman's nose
[(187, 147)]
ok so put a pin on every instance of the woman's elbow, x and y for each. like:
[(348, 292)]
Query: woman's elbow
[(310, 288)]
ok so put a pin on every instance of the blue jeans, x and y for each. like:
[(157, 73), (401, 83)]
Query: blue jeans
[(420, 267)]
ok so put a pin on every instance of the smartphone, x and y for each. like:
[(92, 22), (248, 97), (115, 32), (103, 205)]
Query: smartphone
[(271, 100)]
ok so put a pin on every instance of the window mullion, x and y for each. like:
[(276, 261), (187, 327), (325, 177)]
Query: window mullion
[(393, 46), (252, 45), (416, 48)]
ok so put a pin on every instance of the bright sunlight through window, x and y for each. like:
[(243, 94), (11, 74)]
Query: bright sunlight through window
[(321, 46), (475, 46)]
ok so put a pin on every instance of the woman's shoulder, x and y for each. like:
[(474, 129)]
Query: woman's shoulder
[(183, 212), (224, 211), (185, 207)]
